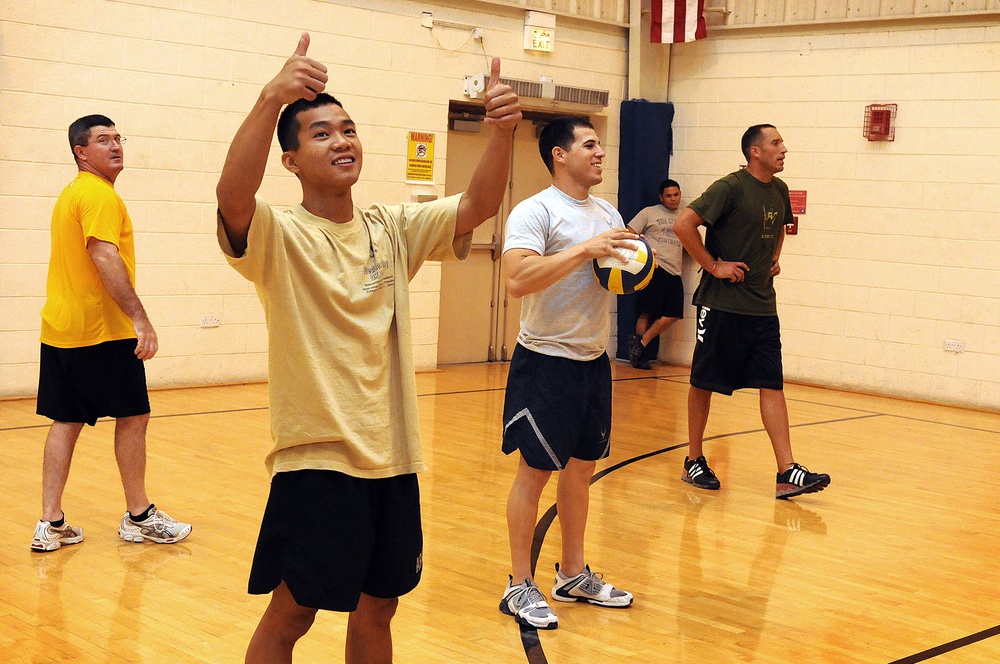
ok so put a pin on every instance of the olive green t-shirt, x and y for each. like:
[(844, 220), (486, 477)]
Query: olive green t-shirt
[(744, 219)]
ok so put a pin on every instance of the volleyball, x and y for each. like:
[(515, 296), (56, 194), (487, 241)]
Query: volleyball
[(628, 276)]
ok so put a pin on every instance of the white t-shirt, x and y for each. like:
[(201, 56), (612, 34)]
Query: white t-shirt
[(570, 318), (656, 223)]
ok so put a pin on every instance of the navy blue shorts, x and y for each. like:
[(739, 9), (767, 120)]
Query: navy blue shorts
[(331, 537), (83, 384), (556, 408), (736, 351), (663, 297)]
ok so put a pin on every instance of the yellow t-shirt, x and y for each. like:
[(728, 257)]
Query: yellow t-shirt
[(336, 299), (78, 310)]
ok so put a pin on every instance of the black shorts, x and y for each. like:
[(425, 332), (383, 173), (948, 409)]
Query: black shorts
[(663, 297), (331, 537), (83, 384), (734, 351), (556, 408)]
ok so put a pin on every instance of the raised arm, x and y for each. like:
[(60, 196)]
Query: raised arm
[(686, 230), (527, 272), (489, 183), (300, 77), (114, 276)]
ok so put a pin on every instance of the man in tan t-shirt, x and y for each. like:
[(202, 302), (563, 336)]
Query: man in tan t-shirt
[(341, 530)]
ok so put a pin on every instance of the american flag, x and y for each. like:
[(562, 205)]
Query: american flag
[(677, 21)]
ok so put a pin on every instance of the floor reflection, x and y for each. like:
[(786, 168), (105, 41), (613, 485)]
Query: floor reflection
[(716, 614), (50, 569), (140, 562)]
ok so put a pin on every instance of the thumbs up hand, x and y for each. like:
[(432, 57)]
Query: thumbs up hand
[(503, 109), (301, 77)]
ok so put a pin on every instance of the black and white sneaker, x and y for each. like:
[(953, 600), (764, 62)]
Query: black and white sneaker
[(589, 587), (798, 480), (528, 606), (698, 473), (635, 351)]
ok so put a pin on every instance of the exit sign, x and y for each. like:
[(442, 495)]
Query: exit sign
[(539, 39)]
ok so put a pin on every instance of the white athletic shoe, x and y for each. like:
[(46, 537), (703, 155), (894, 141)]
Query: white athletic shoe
[(49, 538), (589, 587), (159, 528), (528, 606)]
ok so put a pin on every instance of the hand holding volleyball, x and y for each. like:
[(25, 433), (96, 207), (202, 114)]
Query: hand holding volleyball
[(625, 264)]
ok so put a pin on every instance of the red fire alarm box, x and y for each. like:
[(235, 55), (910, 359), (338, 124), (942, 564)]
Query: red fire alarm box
[(880, 122), (793, 227)]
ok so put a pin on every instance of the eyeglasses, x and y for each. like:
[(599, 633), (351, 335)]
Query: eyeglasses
[(107, 141)]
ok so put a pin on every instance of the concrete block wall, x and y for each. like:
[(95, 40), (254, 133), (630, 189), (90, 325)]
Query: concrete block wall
[(897, 251), (178, 78)]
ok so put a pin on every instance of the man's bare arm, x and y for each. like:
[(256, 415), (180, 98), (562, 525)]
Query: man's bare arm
[(527, 272), (686, 230), (300, 77), (114, 276), (489, 182)]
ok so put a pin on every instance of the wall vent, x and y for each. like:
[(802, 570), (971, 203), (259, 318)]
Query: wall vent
[(523, 88), (582, 96), (565, 93)]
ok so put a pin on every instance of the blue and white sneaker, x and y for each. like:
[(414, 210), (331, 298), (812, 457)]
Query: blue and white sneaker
[(528, 606), (589, 587)]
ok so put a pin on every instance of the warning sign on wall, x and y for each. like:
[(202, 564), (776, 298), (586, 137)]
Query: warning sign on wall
[(797, 197), (420, 158)]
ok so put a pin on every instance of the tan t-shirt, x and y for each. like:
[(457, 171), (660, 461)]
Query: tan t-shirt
[(656, 223), (79, 311), (336, 299)]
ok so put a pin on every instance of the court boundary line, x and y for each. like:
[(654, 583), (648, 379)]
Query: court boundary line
[(681, 379), (930, 653), (106, 420), (670, 379)]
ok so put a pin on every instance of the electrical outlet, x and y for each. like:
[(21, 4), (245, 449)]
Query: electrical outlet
[(210, 320), (954, 345), (477, 34)]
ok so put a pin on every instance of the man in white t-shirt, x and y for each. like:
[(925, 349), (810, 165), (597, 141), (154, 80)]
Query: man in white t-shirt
[(557, 408), (661, 303), (341, 529)]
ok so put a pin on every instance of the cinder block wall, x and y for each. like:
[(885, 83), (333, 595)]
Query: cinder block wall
[(178, 78), (898, 249)]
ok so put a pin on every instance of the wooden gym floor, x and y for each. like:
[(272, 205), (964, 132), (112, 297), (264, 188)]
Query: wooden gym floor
[(898, 561)]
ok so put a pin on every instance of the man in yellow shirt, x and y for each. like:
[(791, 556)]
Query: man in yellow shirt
[(95, 337)]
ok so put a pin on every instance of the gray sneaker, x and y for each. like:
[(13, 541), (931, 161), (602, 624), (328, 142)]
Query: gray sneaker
[(159, 528), (528, 606), (49, 538), (589, 587)]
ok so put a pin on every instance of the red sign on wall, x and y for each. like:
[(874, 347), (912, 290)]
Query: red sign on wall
[(793, 227), (798, 199)]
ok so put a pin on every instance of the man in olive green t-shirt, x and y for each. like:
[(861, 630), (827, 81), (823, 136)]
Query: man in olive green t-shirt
[(738, 342)]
